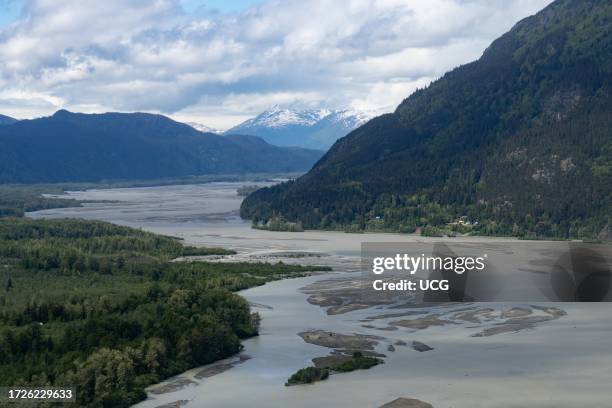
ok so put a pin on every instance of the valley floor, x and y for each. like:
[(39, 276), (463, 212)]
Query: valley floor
[(553, 355)]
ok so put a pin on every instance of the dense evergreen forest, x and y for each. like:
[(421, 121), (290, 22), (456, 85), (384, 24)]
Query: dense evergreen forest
[(516, 143), (101, 308)]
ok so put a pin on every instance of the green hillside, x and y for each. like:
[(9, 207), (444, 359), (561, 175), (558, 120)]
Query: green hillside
[(518, 142)]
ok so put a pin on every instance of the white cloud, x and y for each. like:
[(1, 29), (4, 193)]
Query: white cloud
[(220, 68)]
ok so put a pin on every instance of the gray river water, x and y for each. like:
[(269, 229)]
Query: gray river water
[(565, 361)]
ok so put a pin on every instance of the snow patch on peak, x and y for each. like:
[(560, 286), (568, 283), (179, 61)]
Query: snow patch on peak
[(280, 117), (204, 128), (277, 116), (350, 118)]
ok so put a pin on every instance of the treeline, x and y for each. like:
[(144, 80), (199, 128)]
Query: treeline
[(15, 201), (101, 308), (73, 246), (408, 213)]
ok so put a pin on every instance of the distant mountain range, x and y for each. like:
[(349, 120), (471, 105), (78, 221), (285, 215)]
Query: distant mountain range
[(518, 143), (204, 128), (7, 120), (315, 129), (91, 147)]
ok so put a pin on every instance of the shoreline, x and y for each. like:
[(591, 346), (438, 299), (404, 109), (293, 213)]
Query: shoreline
[(69, 188)]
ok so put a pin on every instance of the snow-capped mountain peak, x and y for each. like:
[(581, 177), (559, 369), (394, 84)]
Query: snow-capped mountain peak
[(313, 128), (278, 117)]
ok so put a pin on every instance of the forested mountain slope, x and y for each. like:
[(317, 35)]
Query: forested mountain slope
[(519, 141), (7, 120), (80, 147)]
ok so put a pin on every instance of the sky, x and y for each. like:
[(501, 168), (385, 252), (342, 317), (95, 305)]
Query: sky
[(219, 62)]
